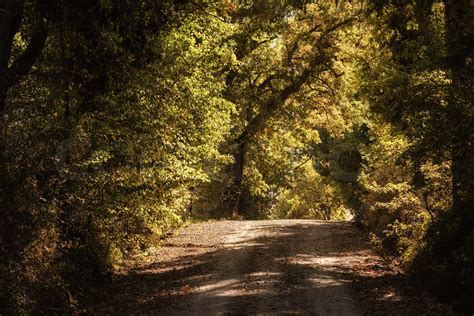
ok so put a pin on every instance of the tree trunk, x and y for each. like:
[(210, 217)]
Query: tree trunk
[(11, 13), (239, 166), (10, 20)]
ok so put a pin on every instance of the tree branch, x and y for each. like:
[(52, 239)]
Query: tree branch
[(304, 162), (25, 61), (274, 103)]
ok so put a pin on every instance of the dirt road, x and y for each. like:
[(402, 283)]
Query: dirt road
[(265, 267)]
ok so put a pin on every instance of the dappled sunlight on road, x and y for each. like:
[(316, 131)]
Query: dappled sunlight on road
[(252, 267)]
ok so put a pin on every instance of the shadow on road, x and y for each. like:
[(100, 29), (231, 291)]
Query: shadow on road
[(305, 267)]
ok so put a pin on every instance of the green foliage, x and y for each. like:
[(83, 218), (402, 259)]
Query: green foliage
[(311, 197), (414, 187), (141, 114), (107, 145)]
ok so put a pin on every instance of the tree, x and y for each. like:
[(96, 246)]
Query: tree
[(121, 115), (303, 52), (420, 81)]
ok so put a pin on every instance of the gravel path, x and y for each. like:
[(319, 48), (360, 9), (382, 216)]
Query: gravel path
[(281, 267)]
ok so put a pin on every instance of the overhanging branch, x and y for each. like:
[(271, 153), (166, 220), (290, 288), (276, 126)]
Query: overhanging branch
[(272, 105)]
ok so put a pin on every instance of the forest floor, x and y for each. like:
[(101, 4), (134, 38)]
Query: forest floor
[(282, 267)]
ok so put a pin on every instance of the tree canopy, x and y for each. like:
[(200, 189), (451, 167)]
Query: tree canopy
[(122, 120)]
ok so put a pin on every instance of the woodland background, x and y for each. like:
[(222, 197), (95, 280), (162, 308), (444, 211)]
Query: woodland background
[(122, 120)]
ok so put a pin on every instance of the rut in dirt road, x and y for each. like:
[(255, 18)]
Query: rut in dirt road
[(266, 267)]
